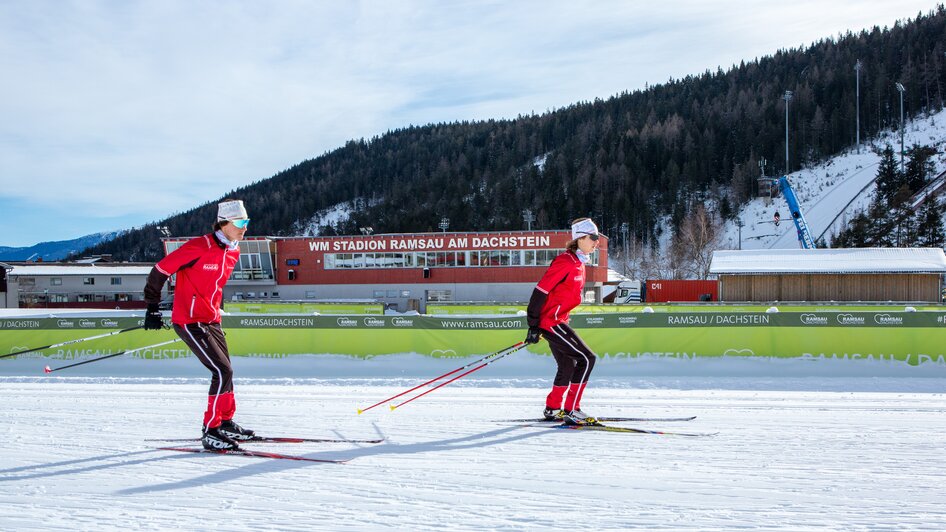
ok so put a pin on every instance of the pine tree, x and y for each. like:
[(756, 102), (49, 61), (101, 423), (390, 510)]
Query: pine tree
[(929, 228), (889, 179), (880, 225), (855, 235), (920, 166), (901, 218)]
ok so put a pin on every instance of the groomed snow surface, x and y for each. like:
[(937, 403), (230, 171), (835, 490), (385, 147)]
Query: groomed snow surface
[(851, 450)]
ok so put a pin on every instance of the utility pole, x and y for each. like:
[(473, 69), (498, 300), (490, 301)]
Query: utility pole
[(902, 90), (787, 97), (767, 194), (740, 225), (857, 68), (528, 218), (624, 228)]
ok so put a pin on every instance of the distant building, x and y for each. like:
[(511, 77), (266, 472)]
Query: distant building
[(74, 285), (5, 301), (856, 274)]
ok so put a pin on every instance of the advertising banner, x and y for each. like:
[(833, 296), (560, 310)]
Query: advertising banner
[(912, 337)]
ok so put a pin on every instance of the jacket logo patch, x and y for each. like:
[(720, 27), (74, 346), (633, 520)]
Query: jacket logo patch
[(211, 267), (578, 278)]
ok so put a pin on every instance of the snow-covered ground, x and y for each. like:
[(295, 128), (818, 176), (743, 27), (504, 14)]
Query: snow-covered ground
[(829, 445), (832, 192)]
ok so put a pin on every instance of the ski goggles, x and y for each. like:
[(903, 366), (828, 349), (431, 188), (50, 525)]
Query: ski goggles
[(241, 224)]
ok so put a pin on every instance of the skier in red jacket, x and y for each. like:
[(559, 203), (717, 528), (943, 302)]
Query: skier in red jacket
[(558, 292), (203, 266)]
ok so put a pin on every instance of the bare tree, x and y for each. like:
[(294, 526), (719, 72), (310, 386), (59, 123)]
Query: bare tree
[(693, 245)]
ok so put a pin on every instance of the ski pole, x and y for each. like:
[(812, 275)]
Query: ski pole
[(47, 370), (72, 341), (455, 378), (435, 379)]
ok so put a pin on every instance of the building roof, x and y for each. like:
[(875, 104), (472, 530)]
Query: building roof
[(79, 269), (844, 260), (615, 277)]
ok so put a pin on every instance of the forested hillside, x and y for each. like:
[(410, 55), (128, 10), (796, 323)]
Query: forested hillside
[(636, 157)]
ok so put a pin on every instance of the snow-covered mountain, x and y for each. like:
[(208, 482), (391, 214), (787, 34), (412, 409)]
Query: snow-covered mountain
[(832, 192), (51, 251)]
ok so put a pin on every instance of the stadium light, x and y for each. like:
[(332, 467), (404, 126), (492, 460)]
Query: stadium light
[(857, 68), (528, 218), (787, 97), (902, 90), (624, 230)]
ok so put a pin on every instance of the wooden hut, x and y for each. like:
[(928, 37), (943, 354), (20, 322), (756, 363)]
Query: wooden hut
[(850, 274)]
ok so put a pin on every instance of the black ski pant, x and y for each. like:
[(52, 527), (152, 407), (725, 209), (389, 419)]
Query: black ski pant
[(207, 342), (574, 358)]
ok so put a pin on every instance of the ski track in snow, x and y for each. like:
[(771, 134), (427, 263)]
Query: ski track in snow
[(74, 459)]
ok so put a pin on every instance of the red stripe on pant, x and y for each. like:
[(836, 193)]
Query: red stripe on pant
[(573, 399), (220, 408)]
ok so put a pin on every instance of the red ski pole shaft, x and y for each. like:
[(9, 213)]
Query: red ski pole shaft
[(435, 379), (50, 346), (460, 376), (47, 370)]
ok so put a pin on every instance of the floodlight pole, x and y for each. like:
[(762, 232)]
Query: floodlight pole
[(624, 229), (902, 90), (528, 218), (857, 68), (787, 97)]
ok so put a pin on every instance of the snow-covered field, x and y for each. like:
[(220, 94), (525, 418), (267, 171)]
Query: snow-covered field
[(794, 451)]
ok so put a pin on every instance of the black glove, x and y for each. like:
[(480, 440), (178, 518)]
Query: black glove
[(532, 337), (153, 321)]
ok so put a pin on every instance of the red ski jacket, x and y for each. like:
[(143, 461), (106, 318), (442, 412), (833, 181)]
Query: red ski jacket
[(558, 292), (203, 266)]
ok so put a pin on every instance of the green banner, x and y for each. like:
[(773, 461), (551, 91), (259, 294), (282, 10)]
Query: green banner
[(913, 337)]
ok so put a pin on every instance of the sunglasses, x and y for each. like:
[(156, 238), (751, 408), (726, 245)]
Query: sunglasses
[(240, 224), (593, 237)]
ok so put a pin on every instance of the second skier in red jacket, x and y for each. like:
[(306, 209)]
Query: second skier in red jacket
[(558, 292), (203, 266)]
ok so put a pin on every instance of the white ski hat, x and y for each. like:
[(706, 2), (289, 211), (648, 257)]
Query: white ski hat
[(231, 210), (582, 228)]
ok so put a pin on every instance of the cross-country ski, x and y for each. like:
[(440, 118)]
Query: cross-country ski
[(247, 452), (273, 439), (601, 419), (627, 430)]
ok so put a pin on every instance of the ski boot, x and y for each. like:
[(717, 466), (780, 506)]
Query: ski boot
[(215, 440), (235, 432), (577, 417)]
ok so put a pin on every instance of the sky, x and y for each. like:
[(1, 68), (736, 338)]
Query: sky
[(114, 114)]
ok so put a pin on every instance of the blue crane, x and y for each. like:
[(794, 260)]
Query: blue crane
[(804, 235)]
